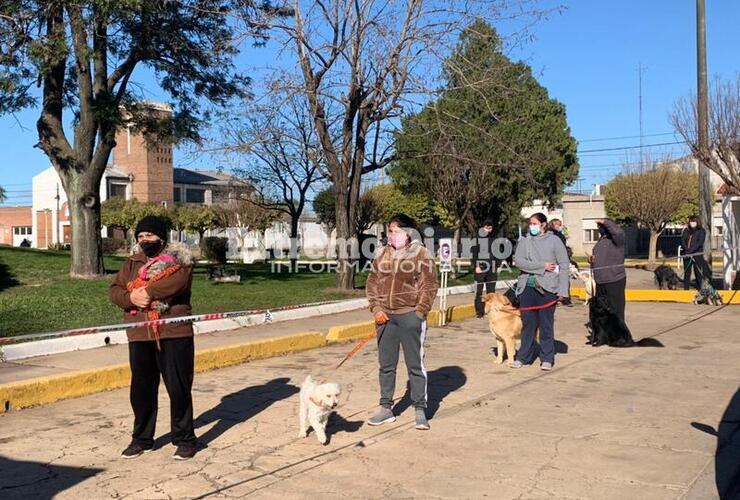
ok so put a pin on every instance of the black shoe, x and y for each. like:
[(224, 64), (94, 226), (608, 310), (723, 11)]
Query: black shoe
[(185, 451), (135, 450)]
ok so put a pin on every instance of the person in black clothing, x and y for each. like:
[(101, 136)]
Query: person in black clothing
[(556, 227), (485, 266), (692, 242), (607, 262)]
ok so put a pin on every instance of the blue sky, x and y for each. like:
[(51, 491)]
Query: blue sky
[(587, 57)]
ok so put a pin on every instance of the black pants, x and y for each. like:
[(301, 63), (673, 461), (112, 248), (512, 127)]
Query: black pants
[(175, 362), (544, 319), (701, 271), (487, 280), (614, 293)]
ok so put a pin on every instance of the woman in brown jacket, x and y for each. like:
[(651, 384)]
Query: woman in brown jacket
[(401, 289), (155, 283)]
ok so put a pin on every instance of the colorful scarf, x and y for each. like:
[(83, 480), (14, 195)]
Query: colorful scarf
[(158, 268)]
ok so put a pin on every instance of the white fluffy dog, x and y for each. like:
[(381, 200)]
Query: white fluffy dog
[(318, 400)]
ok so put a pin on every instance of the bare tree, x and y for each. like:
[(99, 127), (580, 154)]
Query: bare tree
[(283, 156), (653, 198), (722, 155), (362, 64)]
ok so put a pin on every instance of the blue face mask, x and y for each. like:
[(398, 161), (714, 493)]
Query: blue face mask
[(534, 230)]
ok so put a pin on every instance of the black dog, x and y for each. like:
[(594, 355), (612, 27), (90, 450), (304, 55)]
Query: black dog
[(666, 278), (606, 327)]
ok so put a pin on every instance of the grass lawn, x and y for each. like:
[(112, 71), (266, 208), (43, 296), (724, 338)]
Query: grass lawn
[(37, 294)]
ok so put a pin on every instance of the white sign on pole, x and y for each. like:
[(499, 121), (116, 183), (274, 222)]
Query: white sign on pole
[(445, 254)]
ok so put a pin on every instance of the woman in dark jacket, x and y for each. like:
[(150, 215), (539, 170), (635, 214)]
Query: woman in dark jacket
[(607, 262), (692, 244), (154, 283)]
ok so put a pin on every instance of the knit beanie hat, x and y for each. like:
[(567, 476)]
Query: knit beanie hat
[(153, 224)]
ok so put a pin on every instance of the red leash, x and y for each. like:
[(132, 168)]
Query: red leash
[(537, 308)]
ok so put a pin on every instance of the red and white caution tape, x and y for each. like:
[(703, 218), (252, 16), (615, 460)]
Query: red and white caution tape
[(159, 322)]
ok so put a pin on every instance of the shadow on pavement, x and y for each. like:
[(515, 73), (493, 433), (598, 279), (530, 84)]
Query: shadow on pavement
[(338, 423), (440, 383), (727, 456), (37, 480), (238, 407)]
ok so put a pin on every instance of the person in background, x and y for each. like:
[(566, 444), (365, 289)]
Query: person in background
[(485, 266), (607, 261), (401, 289), (556, 226), (383, 238), (155, 283), (692, 244), (543, 282)]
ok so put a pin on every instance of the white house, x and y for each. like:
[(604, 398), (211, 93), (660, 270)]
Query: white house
[(50, 209)]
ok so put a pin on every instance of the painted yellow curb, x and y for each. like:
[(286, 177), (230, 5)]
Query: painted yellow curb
[(461, 312), (434, 317), (347, 333), (681, 296), (220, 357), (44, 390)]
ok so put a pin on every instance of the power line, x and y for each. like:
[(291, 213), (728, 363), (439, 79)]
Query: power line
[(604, 139), (623, 148)]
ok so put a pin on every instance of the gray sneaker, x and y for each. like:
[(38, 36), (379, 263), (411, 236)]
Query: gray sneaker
[(421, 420), (516, 364), (546, 366), (384, 416)]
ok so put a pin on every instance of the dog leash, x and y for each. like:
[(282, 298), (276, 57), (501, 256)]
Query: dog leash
[(356, 349), (537, 308)]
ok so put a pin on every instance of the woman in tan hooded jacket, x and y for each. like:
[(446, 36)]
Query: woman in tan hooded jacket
[(401, 289)]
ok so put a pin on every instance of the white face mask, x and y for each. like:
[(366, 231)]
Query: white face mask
[(692, 225)]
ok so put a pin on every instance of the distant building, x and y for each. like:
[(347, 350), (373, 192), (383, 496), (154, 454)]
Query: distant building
[(140, 167), (15, 225)]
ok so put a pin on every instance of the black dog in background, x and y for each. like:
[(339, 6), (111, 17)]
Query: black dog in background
[(666, 278), (606, 328)]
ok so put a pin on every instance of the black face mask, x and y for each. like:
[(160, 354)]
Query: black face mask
[(603, 231), (150, 248)]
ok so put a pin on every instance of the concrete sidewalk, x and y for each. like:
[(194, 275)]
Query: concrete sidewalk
[(57, 364), (605, 424)]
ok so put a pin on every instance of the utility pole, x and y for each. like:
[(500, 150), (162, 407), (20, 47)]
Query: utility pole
[(642, 153), (58, 238), (706, 196)]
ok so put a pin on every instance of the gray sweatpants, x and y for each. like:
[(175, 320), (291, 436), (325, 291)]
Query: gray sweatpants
[(407, 331)]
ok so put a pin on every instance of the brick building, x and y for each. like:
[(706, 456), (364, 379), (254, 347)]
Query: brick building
[(140, 167), (15, 225)]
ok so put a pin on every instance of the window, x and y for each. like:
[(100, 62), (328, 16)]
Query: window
[(176, 196), (22, 230), (195, 195), (590, 235), (116, 190)]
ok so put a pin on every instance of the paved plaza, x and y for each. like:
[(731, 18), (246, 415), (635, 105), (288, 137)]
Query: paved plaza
[(605, 423)]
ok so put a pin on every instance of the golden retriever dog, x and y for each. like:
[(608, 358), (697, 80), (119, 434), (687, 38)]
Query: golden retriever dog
[(505, 322)]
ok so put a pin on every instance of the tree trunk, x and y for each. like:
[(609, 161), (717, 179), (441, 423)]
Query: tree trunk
[(83, 192), (345, 228), (653, 247), (345, 269), (294, 243)]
